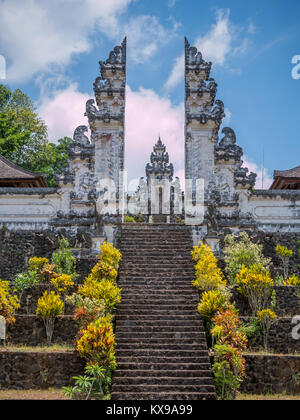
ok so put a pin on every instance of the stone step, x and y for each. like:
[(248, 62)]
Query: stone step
[(150, 360), (158, 328), (158, 272), (161, 373), (163, 396), (162, 335), (156, 238), (146, 309), (154, 281), (180, 249), (157, 312), (142, 293), (146, 352), (155, 232), (153, 345), (150, 264), (163, 366), (158, 318), (155, 300), (169, 270), (155, 261), (132, 323), (135, 292), (143, 256), (143, 388), (162, 380), (156, 242)]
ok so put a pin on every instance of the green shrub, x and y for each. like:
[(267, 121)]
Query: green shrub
[(241, 251), (211, 303), (229, 370), (64, 261)]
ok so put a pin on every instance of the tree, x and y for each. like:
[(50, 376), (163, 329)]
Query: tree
[(24, 139)]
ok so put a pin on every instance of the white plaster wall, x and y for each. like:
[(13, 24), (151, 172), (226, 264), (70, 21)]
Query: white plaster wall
[(28, 212), (272, 212)]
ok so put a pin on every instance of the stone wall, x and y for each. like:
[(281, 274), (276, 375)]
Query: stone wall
[(30, 331), (280, 338), (17, 247), (287, 301), (272, 374), (36, 370)]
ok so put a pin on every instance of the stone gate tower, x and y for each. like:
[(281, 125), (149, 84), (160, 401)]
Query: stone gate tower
[(106, 121), (203, 117)]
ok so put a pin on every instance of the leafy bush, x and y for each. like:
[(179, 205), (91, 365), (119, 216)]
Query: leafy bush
[(252, 330), (266, 318), (241, 252), (37, 264), (87, 310), (63, 260), (24, 281), (110, 255), (62, 283), (92, 385), (228, 370), (97, 343), (129, 219), (103, 290), (48, 273), (292, 281), (95, 301), (284, 254), (256, 284), (49, 306), (212, 302), (227, 330), (208, 275), (8, 302), (102, 270)]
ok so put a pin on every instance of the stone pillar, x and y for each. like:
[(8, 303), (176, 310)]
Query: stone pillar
[(106, 120), (203, 117)]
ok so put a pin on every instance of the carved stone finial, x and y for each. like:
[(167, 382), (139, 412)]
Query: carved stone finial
[(193, 58), (229, 137), (79, 137), (91, 110)]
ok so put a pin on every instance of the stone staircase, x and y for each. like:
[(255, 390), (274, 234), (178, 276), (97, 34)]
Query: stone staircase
[(161, 346)]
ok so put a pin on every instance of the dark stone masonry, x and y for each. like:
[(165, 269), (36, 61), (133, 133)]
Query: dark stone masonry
[(38, 370)]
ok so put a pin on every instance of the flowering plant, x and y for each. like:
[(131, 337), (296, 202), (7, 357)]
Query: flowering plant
[(97, 343), (256, 284), (8, 302), (208, 275)]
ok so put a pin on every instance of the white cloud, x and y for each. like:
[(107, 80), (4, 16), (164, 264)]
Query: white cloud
[(220, 42), (63, 112), (264, 179), (177, 73), (171, 3), (43, 36), (37, 34), (145, 36), (227, 118)]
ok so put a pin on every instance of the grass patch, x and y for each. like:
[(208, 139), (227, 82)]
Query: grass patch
[(54, 348), (32, 394), (267, 353), (267, 397)]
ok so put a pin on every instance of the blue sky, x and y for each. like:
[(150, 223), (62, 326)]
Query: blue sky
[(52, 49)]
